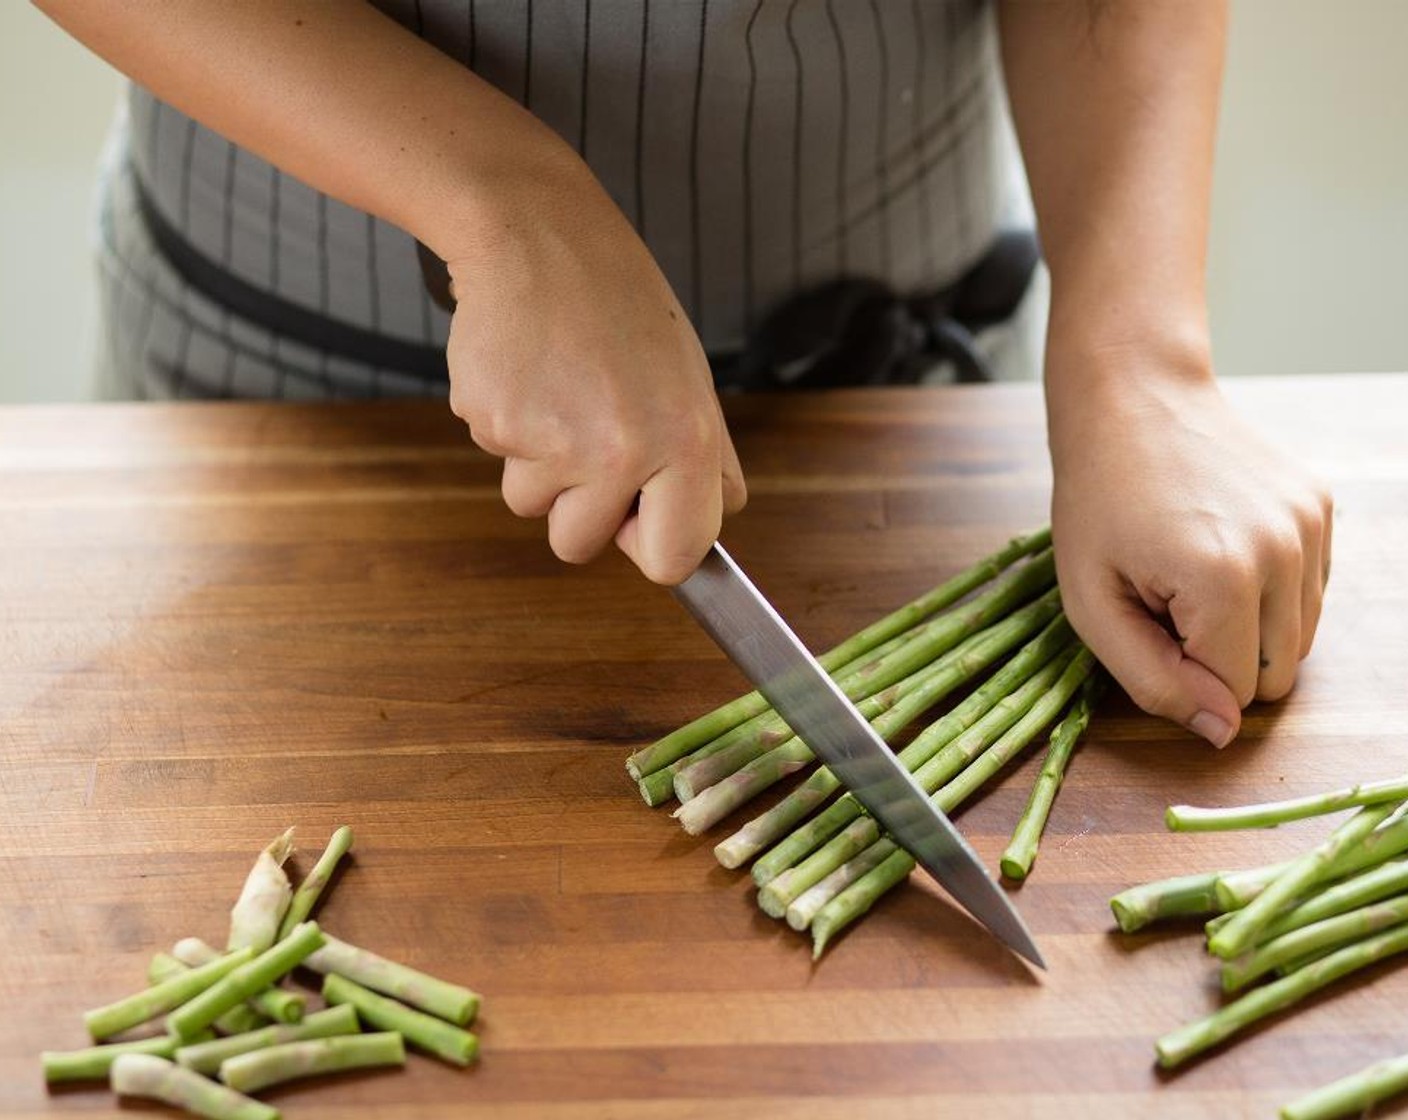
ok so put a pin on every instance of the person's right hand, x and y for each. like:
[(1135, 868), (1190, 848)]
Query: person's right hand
[(572, 360)]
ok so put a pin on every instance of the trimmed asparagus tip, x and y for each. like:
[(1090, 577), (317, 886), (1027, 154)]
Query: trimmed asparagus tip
[(316, 881)]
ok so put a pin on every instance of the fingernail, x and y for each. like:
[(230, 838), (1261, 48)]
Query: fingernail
[(1214, 729)]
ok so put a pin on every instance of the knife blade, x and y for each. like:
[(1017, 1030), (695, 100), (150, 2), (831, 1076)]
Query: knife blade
[(746, 627)]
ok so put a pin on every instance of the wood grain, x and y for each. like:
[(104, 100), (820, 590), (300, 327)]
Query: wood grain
[(218, 620)]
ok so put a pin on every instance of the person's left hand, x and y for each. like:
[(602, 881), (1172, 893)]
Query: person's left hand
[(1192, 555)]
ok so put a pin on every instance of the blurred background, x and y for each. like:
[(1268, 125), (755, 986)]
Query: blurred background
[(1310, 209)]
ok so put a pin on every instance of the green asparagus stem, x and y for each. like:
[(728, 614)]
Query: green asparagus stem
[(94, 1062), (1240, 933), (278, 1004), (445, 1040), (316, 881), (758, 833), (1191, 818), (1020, 854), (1006, 715), (288, 1061), (1371, 886), (104, 1022), (430, 994), (804, 909), (144, 1075), (246, 980), (1352, 1095), (857, 898), (709, 727), (237, 1020), (1183, 897), (1187, 1041), (254, 919), (205, 1057), (1300, 944)]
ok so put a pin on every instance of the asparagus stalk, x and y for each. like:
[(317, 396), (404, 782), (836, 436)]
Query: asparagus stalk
[(237, 1020), (1241, 931), (709, 727), (1191, 818), (1187, 1041), (445, 1040), (1020, 853), (246, 980), (430, 994), (277, 1004), (104, 1022), (288, 1061), (94, 1062), (857, 898), (316, 881), (804, 909), (768, 828), (254, 919), (781, 890), (205, 1057), (1372, 886), (1300, 944), (145, 1075), (890, 711), (1352, 1095), (1183, 897)]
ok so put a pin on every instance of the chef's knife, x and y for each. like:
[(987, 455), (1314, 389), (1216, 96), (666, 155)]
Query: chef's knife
[(753, 634)]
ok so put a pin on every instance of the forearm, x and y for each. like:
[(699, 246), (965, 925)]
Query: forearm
[(345, 99), (1115, 103)]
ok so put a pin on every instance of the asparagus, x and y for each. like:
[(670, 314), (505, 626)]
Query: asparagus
[(890, 711), (254, 919), (259, 1069), (430, 994), (804, 909), (145, 1075), (313, 885), (857, 898), (1020, 853), (1239, 933), (246, 980), (753, 837), (94, 1062), (1187, 1041), (1352, 1095), (1308, 940), (445, 1040), (277, 1004), (780, 891), (709, 727), (205, 1057), (237, 1020), (104, 1022), (1371, 886), (1191, 818), (1183, 897)]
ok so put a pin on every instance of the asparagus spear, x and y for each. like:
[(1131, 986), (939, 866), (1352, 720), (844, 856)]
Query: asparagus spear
[(237, 1020), (1240, 932), (1183, 897), (205, 1057), (1020, 854), (802, 911), (1371, 886), (145, 1075), (104, 1022), (313, 885), (94, 1062), (246, 980), (259, 1069), (430, 994), (1352, 1095), (753, 837), (278, 1004), (1187, 1041), (709, 727), (1191, 818), (254, 919), (445, 1040)]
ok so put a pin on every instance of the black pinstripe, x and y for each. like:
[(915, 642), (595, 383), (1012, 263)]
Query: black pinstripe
[(640, 115), (696, 265), (586, 69), (882, 134), (749, 279), (843, 134), (528, 55), (796, 144)]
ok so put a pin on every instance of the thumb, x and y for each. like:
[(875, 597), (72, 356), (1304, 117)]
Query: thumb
[(1152, 667)]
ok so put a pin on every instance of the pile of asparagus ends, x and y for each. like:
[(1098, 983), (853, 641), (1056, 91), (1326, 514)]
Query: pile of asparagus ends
[(993, 639), (1292, 928), (230, 1028)]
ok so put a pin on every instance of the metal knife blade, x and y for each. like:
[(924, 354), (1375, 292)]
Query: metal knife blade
[(747, 628)]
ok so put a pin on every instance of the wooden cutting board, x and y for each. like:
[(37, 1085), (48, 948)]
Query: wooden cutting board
[(219, 620)]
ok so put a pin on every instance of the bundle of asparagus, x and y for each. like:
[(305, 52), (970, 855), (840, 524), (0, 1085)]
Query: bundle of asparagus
[(823, 863), (268, 1036), (1339, 908)]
